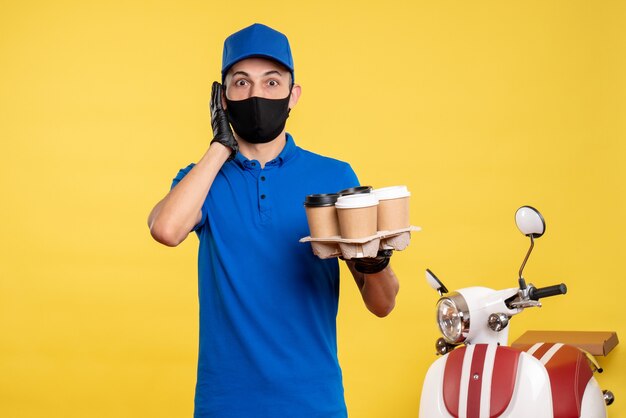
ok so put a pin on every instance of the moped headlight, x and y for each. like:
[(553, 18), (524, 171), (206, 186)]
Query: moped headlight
[(453, 318)]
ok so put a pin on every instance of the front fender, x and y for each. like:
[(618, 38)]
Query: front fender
[(486, 380)]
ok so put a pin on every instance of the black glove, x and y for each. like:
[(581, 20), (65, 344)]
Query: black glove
[(219, 122), (373, 265)]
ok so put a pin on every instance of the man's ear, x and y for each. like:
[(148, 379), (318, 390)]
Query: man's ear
[(296, 91)]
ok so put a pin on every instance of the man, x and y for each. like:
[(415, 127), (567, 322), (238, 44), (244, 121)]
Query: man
[(268, 306)]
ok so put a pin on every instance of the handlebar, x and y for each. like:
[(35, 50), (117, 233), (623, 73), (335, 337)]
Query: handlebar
[(544, 292)]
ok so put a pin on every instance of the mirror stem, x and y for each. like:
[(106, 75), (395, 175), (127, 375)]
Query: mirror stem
[(522, 282)]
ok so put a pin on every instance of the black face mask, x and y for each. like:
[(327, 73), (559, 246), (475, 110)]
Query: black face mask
[(256, 119)]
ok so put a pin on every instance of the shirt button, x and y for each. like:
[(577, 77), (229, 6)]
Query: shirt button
[(262, 178), (262, 196), (253, 164)]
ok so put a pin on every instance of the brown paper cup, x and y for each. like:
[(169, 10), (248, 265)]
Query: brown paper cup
[(357, 222), (357, 215), (393, 207), (393, 214), (323, 221)]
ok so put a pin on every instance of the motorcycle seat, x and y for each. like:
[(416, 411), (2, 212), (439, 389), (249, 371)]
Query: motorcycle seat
[(569, 372)]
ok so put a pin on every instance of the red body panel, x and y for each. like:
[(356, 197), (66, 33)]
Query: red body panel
[(505, 367), (452, 380), (475, 381), (569, 373), (503, 380)]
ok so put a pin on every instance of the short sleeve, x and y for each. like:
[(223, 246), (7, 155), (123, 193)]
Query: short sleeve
[(349, 178), (181, 174)]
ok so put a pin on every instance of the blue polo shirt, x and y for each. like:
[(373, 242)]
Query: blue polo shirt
[(268, 306)]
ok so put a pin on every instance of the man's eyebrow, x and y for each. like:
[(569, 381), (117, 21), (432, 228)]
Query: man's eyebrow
[(265, 74), (243, 73), (272, 72)]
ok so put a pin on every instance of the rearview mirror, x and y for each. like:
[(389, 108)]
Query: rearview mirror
[(530, 222), (435, 283)]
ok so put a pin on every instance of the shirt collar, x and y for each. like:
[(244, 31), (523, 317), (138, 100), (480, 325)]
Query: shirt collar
[(287, 153), (289, 150)]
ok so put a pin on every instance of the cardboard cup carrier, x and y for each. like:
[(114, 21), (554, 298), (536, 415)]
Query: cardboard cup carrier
[(322, 215), (357, 222), (393, 207), (357, 215)]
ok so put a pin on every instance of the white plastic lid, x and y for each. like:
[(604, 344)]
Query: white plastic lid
[(392, 192), (353, 201)]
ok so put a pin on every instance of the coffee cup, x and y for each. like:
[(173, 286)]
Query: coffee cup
[(357, 215), (322, 215), (393, 208)]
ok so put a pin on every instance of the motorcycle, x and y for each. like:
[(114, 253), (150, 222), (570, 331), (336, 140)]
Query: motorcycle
[(479, 376)]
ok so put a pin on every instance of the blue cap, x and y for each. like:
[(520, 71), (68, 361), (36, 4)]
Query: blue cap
[(256, 41)]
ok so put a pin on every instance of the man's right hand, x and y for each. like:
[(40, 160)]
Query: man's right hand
[(374, 264), (222, 132)]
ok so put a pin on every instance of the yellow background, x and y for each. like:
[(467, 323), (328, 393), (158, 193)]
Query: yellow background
[(478, 107)]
